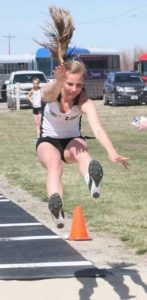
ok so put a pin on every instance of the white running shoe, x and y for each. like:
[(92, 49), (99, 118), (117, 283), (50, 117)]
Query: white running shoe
[(95, 173), (56, 208)]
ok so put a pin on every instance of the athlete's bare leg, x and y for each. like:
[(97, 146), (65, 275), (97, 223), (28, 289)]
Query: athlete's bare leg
[(50, 158), (77, 152), (37, 120)]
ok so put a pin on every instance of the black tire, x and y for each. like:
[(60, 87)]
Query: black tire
[(15, 105), (114, 102), (8, 104), (106, 102), (4, 93)]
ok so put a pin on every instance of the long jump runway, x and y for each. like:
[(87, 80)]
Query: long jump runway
[(29, 250)]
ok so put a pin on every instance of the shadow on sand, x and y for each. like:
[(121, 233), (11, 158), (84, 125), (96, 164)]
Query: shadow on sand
[(115, 277)]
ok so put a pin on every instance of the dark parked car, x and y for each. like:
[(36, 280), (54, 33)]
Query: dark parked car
[(124, 88)]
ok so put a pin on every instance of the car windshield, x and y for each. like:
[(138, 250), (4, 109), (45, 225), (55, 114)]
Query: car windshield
[(28, 78), (128, 78)]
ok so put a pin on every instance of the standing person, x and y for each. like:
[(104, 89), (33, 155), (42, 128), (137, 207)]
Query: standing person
[(34, 97), (64, 102)]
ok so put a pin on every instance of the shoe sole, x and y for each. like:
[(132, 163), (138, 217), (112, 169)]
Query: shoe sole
[(55, 207), (96, 173)]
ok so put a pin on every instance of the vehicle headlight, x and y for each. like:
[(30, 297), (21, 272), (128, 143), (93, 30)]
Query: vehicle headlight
[(119, 88), (129, 89), (145, 88)]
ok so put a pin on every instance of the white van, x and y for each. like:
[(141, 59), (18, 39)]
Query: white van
[(19, 85)]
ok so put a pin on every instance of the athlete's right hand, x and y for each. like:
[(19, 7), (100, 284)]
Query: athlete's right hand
[(60, 73)]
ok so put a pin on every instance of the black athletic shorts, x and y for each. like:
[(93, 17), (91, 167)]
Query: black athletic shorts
[(59, 144), (36, 110)]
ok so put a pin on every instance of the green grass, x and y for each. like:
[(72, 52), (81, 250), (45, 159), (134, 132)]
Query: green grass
[(122, 208)]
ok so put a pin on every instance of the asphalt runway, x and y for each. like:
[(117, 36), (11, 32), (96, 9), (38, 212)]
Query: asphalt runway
[(29, 250)]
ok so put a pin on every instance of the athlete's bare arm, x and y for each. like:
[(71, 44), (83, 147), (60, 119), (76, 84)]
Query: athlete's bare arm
[(53, 88)]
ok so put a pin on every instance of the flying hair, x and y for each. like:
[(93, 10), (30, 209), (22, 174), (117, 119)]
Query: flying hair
[(59, 33)]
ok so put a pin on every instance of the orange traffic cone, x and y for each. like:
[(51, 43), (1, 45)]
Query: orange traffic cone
[(78, 229)]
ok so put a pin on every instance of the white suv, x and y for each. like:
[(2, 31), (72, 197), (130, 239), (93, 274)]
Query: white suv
[(19, 85)]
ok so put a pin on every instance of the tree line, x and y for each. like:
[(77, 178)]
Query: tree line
[(127, 58)]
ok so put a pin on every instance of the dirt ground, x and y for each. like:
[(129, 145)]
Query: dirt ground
[(103, 250)]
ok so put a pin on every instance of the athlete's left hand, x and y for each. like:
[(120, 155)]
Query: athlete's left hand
[(123, 160), (115, 157)]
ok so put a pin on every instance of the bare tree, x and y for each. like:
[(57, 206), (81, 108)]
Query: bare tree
[(137, 52), (127, 58), (125, 61)]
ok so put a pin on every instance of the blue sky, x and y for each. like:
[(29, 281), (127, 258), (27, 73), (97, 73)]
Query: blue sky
[(109, 23)]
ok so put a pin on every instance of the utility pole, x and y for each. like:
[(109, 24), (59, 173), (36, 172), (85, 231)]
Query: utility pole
[(9, 37)]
